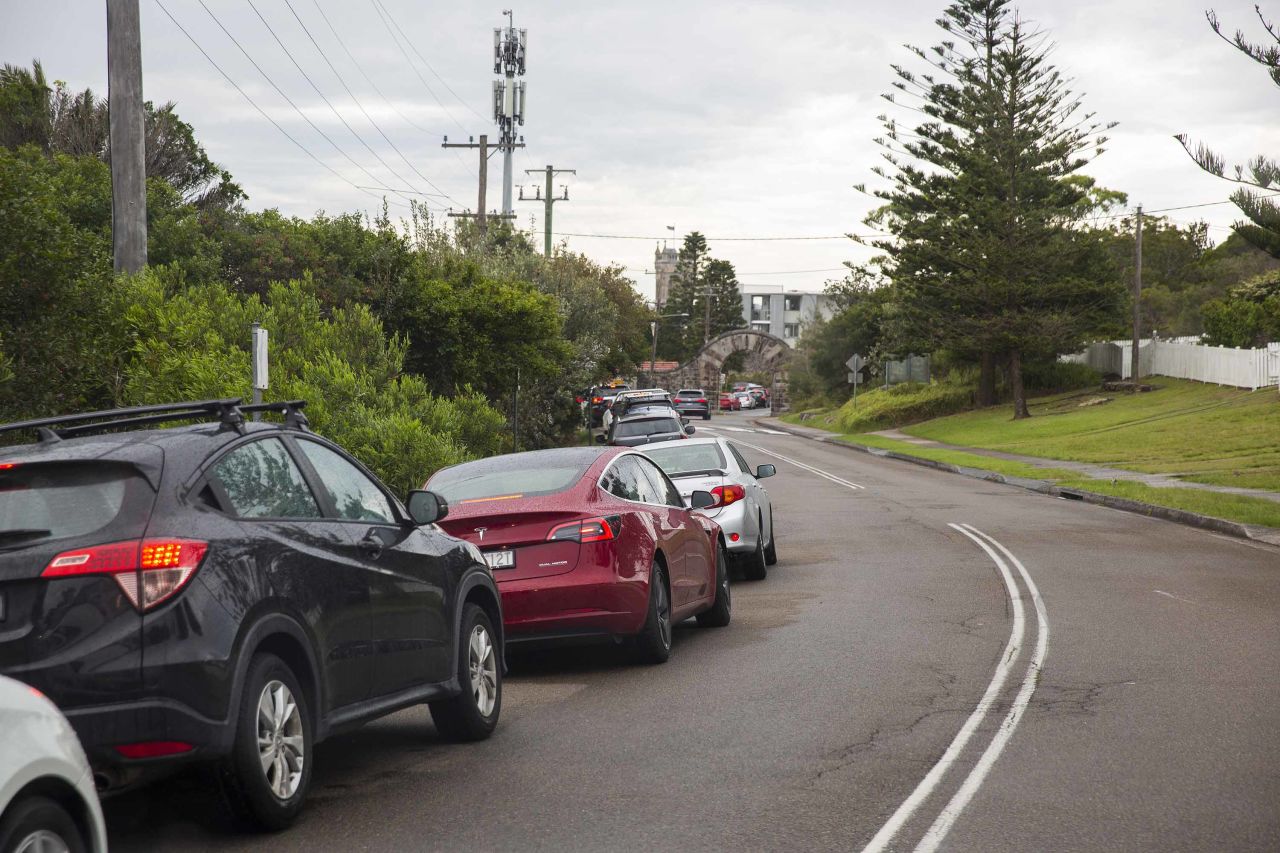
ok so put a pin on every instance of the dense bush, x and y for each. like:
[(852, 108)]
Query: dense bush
[(1051, 376), (194, 344), (900, 405)]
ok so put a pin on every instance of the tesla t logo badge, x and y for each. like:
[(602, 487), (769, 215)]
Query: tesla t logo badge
[(480, 532)]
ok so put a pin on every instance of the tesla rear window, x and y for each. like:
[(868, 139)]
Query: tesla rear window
[(679, 457), (43, 502), (655, 426), (503, 477)]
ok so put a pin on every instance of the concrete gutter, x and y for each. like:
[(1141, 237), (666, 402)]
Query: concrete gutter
[(1254, 532)]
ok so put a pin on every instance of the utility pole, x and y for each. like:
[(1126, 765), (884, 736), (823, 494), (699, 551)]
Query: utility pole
[(548, 200), (480, 215), (509, 46), (1137, 301), (127, 135), (706, 323)]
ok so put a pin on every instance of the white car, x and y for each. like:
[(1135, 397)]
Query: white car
[(48, 803), (743, 509)]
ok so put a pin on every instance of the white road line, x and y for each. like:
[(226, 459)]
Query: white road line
[(1174, 597), (730, 429), (936, 833), (832, 477), (770, 431), (934, 776)]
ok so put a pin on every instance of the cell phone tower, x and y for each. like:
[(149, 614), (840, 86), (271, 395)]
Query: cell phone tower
[(509, 46)]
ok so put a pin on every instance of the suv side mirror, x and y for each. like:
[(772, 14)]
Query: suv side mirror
[(701, 500), (765, 471), (690, 429), (426, 507)]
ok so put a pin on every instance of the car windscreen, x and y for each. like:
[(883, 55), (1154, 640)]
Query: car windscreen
[(42, 502), (645, 426), (506, 478), (681, 457)]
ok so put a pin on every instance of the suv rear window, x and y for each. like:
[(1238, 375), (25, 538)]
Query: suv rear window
[(694, 393), (67, 500), (647, 426)]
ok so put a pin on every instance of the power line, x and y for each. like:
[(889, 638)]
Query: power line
[(279, 91), (331, 107), (361, 106), (430, 68), (377, 8), (721, 239), (263, 112)]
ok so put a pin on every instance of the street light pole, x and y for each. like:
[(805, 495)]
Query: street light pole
[(653, 327)]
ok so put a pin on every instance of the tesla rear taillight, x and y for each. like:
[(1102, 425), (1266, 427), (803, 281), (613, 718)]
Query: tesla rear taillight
[(586, 530), (153, 748), (726, 495), (148, 571), (5, 466)]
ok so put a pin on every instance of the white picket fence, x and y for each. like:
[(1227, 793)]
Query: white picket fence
[(1239, 368)]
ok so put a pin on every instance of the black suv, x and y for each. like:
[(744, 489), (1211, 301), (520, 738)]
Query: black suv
[(233, 592), (601, 398)]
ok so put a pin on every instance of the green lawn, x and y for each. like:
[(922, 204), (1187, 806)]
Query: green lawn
[(1206, 433)]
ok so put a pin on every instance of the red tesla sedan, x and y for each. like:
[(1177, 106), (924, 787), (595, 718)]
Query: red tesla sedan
[(589, 541)]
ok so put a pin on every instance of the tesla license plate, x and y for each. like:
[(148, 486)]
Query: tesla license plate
[(501, 559)]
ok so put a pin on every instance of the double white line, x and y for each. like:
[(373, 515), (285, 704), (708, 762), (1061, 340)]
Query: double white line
[(947, 817)]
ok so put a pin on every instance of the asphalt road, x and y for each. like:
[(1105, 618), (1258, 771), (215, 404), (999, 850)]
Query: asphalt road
[(896, 683)]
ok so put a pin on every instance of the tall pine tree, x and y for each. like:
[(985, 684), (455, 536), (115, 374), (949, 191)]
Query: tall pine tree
[(983, 196)]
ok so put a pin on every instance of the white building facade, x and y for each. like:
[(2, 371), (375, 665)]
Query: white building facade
[(782, 313)]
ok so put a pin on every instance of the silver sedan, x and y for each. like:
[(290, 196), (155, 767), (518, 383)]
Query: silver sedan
[(743, 509)]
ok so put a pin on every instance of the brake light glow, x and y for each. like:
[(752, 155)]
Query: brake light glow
[(597, 399), (726, 495), (703, 400), (153, 748), (5, 466), (149, 571), (586, 530)]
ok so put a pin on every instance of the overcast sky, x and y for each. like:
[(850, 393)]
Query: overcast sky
[(736, 119)]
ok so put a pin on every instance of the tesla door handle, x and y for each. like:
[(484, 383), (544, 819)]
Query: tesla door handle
[(371, 547)]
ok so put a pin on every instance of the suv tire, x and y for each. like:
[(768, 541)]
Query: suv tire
[(721, 610), (473, 713), (33, 820), (275, 710), (653, 645)]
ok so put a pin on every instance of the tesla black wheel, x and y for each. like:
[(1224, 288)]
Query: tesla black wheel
[(653, 645)]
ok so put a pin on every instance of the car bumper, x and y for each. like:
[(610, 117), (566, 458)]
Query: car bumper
[(698, 411), (593, 599), (739, 520)]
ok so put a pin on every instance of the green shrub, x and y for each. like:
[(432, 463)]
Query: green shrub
[(1055, 376), (900, 405)]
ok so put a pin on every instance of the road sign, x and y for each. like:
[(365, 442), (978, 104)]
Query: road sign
[(854, 378), (854, 363)]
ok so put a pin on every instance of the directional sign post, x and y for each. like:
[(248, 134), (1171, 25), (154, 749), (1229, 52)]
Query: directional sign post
[(855, 364)]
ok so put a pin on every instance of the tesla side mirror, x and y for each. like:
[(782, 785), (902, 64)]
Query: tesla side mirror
[(765, 471), (426, 507), (690, 429), (701, 500), (600, 439)]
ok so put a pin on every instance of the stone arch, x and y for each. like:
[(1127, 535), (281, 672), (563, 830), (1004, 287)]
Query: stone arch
[(765, 353)]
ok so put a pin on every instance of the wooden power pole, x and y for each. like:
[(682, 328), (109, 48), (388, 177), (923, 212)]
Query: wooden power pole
[(480, 215), (1137, 301), (127, 135)]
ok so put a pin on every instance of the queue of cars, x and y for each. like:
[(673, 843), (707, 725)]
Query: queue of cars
[(230, 592)]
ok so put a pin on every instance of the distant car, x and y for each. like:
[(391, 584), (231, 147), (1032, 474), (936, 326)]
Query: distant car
[(589, 542), (759, 398), (693, 402), (599, 398), (646, 425), (745, 400), (47, 797), (729, 403), (743, 508), (625, 401)]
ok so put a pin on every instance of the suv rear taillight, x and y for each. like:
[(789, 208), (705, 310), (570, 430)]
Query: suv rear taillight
[(165, 566), (586, 530), (726, 495)]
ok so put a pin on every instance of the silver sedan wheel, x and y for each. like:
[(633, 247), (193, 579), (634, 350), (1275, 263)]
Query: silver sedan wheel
[(482, 662), (43, 841), (281, 744)]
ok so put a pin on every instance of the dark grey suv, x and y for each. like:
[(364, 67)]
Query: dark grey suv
[(646, 425), (232, 592)]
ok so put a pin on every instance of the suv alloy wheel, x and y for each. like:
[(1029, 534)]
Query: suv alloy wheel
[(473, 713)]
